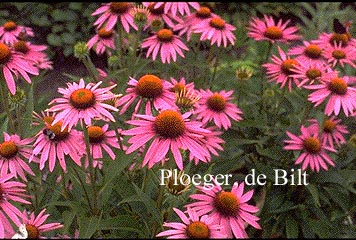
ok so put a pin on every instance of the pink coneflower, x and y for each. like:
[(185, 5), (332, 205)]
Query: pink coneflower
[(336, 54), (307, 53), (52, 143), (193, 226), (339, 95), (216, 107), (182, 7), (313, 150), (268, 30), (111, 12), (10, 32), (310, 72), (82, 102), (332, 131), (35, 226), (11, 191), (192, 20), (186, 96), (216, 30), (165, 42), (151, 88), (33, 53), (158, 14), (14, 155), (102, 138), (170, 130), (329, 39), (281, 70), (179, 85), (103, 41), (13, 63), (229, 209)]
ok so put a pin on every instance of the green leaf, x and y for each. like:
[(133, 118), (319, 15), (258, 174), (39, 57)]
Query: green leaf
[(68, 217), (54, 39), (122, 222), (88, 226), (291, 227), (314, 192)]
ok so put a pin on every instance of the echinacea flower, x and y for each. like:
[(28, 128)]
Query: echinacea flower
[(313, 150), (102, 138), (281, 70), (35, 225), (158, 14), (82, 102), (332, 130), (102, 42), (170, 131), (336, 54), (151, 88), (269, 30), (14, 155), (111, 12), (217, 30), (13, 63), (217, 107), (330, 39), (309, 52), (10, 32), (173, 7), (10, 191), (192, 226), (337, 93), (52, 143), (165, 42), (229, 209)]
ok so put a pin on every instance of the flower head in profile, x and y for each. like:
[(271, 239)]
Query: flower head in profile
[(159, 14), (53, 144), (192, 226), (165, 42), (183, 8), (330, 39), (229, 209), (337, 94), (217, 107), (308, 52), (102, 42), (10, 32), (111, 12), (332, 131), (13, 64), (14, 155), (336, 54), (268, 30), (170, 131), (216, 30), (314, 152), (82, 102), (35, 225), (148, 88), (282, 69)]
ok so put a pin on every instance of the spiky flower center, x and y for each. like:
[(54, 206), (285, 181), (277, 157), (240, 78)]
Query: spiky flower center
[(55, 129), (313, 73), (165, 35), (217, 23), (174, 184), (178, 87), (21, 46), (33, 232), (103, 33), (8, 149), (185, 99), (198, 230), (226, 203), (329, 126), (288, 65), (313, 51), (338, 37), (338, 54), (82, 98), (5, 53), (312, 145), (10, 25), (156, 11), (273, 32), (338, 86), (119, 7), (216, 102), (203, 12), (169, 124), (96, 134), (149, 86)]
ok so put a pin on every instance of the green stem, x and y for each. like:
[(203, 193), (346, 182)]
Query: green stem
[(18, 116), (91, 170), (215, 68), (118, 44), (64, 187), (6, 107), (91, 68), (133, 57), (85, 191), (159, 201), (306, 112), (263, 80)]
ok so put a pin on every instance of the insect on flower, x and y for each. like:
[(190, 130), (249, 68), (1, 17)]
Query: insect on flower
[(21, 233), (49, 133)]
